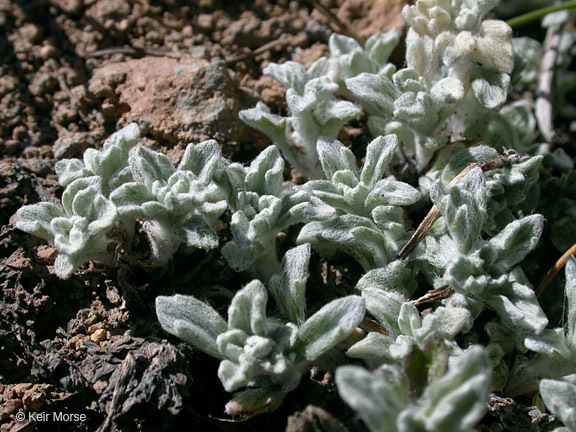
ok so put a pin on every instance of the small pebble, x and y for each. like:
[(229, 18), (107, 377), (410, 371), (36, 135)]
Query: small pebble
[(98, 336), (48, 51)]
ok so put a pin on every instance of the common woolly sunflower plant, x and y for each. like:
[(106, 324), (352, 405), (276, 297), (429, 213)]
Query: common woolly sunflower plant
[(434, 315)]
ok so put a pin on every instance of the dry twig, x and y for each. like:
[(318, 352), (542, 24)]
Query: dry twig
[(435, 294), (134, 52), (298, 40), (371, 326), (341, 26), (555, 269)]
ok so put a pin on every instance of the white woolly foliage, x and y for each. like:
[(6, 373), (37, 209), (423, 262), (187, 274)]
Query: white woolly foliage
[(431, 119), (261, 356)]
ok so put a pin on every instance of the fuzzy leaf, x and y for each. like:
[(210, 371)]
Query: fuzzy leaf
[(329, 326), (378, 156), (341, 45), (202, 159), (130, 197), (289, 287), (125, 138), (385, 306), (458, 400), (491, 88), (357, 236), (102, 215), (375, 92), (264, 176), (253, 401), (518, 307), (380, 45), (65, 265), (551, 343), (148, 166), (464, 208), (335, 157), (395, 277), (517, 240), (191, 320), (560, 398), (448, 91), (409, 319), (70, 193), (247, 312), (392, 193), (272, 125), (196, 232), (36, 218), (373, 348), (407, 80), (413, 105), (69, 170), (378, 396), (289, 74)]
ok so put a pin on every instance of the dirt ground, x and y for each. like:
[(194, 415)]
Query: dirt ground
[(71, 73)]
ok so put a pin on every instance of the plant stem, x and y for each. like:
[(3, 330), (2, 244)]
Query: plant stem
[(554, 270), (539, 13)]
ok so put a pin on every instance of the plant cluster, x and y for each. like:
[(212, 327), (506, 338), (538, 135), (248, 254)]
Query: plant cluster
[(444, 114)]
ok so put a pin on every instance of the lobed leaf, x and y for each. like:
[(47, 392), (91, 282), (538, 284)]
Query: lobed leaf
[(147, 166), (289, 287), (335, 157), (379, 153), (247, 312), (36, 219)]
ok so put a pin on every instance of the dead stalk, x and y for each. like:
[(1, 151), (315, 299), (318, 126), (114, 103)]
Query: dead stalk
[(435, 294), (555, 269)]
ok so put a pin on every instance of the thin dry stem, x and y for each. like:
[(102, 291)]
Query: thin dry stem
[(435, 294), (555, 269), (341, 26), (371, 326)]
